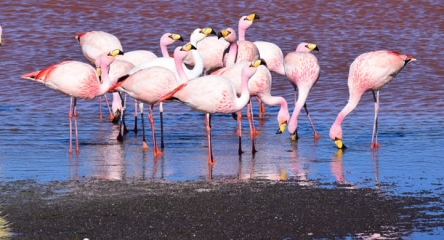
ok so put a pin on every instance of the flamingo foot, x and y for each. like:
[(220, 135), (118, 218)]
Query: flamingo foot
[(261, 111), (157, 152), (374, 145), (316, 136), (211, 161), (120, 137), (144, 145), (125, 130), (254, 133)]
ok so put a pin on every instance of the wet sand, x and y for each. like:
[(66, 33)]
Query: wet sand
[(228, 209)]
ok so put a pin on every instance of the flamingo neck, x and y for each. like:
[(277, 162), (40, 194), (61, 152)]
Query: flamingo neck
[(351, 105), (232, 54), (293, 124), (106, 81), (241, 33), (245, 93), (164, 49), (198, 66), (180, 70)]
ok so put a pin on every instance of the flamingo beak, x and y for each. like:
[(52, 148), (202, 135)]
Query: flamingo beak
[(99, 73), (0, 40), (282, 128), (339, 144)]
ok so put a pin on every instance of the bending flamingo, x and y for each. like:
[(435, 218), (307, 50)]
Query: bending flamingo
[(369, 72), (215, 94), (259, 86), (77, 80), (302, 70), (149, 85)]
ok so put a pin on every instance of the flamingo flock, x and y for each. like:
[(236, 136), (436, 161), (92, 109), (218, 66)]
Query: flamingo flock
[(211, 74)]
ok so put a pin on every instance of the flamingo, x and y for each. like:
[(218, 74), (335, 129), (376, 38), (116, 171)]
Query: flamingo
[(169, 63), (239, 51), (77, 80), (149, 85), (138, 57), (259, 85), (369, 72), (93, 44), (302, 70), (215, 94)]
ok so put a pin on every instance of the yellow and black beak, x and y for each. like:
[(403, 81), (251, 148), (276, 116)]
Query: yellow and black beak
[(188, 47), (176, 37), (208, 31), (339, 143), (253, 16), (282, 127), (115, 52), (312, 47), (223, 33)]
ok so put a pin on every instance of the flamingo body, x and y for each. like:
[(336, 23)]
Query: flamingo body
[(302, 71), (95, 43), (369, 72)]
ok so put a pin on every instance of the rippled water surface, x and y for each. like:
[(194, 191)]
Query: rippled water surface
[(34, 119)]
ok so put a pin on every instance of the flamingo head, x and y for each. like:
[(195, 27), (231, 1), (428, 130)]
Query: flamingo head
[(282, 118), (306, 47), (182, 51), (104, 60), (336, 136), (246, 21), (228, 34), (200, 33), (170, 38), (408, 59)]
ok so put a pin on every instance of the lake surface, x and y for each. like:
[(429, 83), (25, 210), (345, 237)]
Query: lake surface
[(34, 132)]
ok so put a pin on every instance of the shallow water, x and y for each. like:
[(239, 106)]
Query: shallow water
[(34, 131)]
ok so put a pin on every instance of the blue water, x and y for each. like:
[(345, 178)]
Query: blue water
[(34, 129)]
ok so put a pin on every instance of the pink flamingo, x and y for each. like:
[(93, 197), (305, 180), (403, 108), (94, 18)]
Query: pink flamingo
[(239, 51), (302, 70), (77, 80), (170, 63), (215, 94), (259, 86), (149, 85), (369, 72)]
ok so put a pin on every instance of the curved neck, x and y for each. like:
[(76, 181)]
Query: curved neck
[(164, 49), (351, 104), (245, 93), (293, 124), (180, 70), (198, 65), (232, 54), (241, 33), (106, 81)]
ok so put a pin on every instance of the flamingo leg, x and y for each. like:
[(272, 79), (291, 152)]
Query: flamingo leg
[(120, 136), (125, 130), (111, 117), (239, 131), (162, 144), (156, 151), (100, 107), (261, 108), (253, 131), (70, 113), (144, 145), (316, 136), (208, 128), (75, 124), (375, 143), (135, 116)]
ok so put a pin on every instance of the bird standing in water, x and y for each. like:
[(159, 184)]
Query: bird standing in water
[(369, 72)]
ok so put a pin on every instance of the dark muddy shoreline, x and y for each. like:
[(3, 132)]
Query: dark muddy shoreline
[(208, 210)]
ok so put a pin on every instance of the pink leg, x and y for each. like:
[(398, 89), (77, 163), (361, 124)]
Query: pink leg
[(316, 136), (261, 108), (208, 128), (111, 116), (253, 131), (239, 131), (156, 151), (75, 125), (375, 143), (144, 145), (70, 124), (100, 107)]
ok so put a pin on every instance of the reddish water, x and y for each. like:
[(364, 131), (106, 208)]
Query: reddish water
[(34, 129)]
